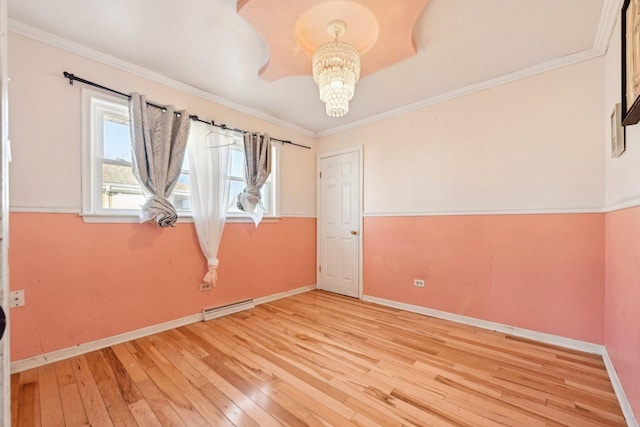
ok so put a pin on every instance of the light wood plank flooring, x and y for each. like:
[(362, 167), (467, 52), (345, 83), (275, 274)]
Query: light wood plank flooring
[(320, 359)]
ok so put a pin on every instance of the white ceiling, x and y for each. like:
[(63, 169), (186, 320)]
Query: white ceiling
[(205, 44)]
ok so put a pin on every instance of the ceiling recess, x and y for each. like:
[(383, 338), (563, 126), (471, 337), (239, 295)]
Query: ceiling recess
[(380, 30)]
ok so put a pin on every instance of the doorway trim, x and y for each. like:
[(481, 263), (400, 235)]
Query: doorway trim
[(360, 150), (5, 341)]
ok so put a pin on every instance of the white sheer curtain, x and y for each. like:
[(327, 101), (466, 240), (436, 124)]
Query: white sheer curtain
[(208, 163)]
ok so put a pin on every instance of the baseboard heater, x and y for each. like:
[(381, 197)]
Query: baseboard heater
[(225, 310)]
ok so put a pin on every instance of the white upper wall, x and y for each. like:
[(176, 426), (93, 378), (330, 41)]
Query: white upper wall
[(534, 145), (46, 129), (622, 173)]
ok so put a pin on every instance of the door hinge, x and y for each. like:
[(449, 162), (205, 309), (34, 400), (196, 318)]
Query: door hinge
[(319, 269), (320, 175)]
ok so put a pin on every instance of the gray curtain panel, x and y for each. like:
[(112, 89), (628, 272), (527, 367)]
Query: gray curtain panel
[(257, 167), (158, 145)]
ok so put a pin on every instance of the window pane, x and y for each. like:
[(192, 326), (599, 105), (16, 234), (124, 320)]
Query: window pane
[(235, 188), (121, 200), (117, 139), (120, 189), (236, 168), (182, 201), (265, 193), (185, 162), (182, 193), (236, 178)]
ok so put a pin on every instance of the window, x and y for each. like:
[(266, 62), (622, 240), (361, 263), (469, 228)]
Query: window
[(235, 177), (110, 190)]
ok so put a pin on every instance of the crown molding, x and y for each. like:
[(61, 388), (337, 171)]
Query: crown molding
[(78, 49), (468, 90), (606, 25), (608, 18)]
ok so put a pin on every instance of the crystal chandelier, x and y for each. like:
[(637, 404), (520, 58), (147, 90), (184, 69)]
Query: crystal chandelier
[(336, 69)]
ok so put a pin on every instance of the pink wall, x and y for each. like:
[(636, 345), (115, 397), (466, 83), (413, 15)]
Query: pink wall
[(622, 300), (84, 282), (539, 272)]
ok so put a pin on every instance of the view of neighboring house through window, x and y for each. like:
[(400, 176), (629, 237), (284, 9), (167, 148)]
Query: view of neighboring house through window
[(114, 190)]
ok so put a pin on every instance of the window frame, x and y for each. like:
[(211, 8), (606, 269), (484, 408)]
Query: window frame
[(95, 106)]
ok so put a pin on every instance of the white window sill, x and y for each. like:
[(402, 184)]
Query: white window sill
[(120, 218)]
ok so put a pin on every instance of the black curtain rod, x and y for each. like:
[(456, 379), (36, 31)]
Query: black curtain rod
[(73, 77)]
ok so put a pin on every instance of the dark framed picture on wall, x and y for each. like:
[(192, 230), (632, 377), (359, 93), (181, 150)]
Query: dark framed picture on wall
[(630, 20)]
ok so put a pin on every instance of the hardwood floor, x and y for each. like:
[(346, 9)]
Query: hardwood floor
[(320, 359)]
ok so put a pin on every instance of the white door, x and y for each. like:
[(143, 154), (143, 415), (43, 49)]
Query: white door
[(339, 224)]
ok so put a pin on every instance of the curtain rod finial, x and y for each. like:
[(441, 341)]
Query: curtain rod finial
[(69, 76)]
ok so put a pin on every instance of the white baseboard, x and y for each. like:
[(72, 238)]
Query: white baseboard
[(65, 353), (627, 411), (570, 343), (573, 344), (280, 295)]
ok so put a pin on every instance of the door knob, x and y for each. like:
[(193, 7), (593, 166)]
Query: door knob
[(354, 232)]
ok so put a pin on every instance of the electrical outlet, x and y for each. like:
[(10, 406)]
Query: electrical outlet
[(418, 283), (205, 286), (16, 298)]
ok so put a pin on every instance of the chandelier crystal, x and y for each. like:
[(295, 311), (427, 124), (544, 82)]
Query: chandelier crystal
[(336, 69)]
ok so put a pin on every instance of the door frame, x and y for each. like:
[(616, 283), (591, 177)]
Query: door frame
[(360, 150), (5, 357)]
